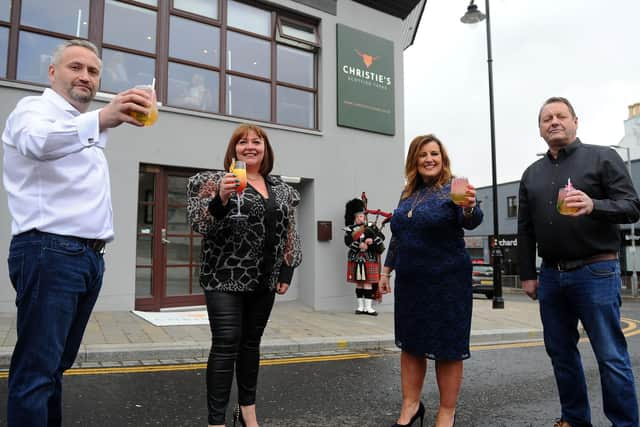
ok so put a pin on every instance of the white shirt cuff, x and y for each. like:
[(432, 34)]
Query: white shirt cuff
[(89, 129)]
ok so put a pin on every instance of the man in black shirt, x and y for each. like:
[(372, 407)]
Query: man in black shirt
[(580, 273)]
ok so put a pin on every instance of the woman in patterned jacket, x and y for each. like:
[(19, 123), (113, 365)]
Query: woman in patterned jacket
[(243, 264)]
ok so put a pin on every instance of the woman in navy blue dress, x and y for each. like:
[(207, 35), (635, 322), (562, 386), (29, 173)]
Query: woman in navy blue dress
[(433, 295)]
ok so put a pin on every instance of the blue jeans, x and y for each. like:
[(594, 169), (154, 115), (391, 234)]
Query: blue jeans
[(57, 280), (590, 294)]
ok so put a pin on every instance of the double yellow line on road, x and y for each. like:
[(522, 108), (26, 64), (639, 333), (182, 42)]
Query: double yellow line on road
[(197, 366), (630, 329)]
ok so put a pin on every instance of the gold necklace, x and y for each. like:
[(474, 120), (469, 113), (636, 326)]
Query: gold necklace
[(424, 193)]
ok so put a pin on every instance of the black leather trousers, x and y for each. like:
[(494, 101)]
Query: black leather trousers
[(237, 321)]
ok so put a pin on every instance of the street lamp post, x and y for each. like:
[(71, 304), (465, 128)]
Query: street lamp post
[(634, 277), (473, 16)]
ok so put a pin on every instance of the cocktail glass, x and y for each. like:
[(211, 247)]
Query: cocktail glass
[(459, 190), (239, 169), (147, 119), (561, 205)]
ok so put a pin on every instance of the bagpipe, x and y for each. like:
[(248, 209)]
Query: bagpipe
[(371, 229)]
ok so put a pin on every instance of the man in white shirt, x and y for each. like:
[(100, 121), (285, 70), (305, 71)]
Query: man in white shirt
[(57, 180)]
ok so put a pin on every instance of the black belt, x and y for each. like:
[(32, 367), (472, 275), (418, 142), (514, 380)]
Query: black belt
[(96, 244), (574, 264)]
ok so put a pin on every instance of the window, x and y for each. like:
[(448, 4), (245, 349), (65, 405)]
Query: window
[(206, 8), (62, 16), (296, 66), (4, 40), (512, 207), (248, 18), (34, 56), (122, 70), (5, 10), (248, 98), (253, 61), (297, 34), (295, 107), (296, 82), (193, 88), (195, 42), (248, 55), (130, 26)]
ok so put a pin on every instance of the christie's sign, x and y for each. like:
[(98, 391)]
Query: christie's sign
[(365, 81)]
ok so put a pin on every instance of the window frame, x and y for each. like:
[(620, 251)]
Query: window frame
[(282, 37), (164, 11)]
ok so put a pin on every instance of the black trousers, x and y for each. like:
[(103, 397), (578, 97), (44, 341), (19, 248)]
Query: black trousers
[(237, 321)]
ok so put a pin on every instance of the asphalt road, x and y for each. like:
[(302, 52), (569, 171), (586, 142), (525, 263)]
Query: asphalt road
[(510, 386)]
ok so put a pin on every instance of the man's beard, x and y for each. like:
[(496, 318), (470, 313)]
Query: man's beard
[(80, 97)]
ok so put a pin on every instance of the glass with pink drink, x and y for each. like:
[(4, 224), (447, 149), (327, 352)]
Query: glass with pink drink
[(561, 205), (459, 190)]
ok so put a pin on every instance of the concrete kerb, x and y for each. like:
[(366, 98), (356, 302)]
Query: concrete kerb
[(199, 351), (5, 357)]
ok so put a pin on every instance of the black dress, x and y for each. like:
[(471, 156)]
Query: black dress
[(433, 294)]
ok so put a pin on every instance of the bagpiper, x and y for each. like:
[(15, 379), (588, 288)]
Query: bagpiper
[(366, 243)]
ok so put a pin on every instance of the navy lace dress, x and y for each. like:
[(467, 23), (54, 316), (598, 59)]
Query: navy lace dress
[(433, 295)]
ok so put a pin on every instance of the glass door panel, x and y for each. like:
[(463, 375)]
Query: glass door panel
[(145, 234), (144, 277), (178, 281), (177, 221)]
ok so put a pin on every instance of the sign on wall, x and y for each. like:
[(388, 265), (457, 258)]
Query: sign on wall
[(365, 81)]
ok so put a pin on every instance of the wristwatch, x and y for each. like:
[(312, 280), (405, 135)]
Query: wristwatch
[(467, 211)]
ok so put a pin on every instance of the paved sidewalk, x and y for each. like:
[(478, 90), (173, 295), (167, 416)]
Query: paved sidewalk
[(122, 338)]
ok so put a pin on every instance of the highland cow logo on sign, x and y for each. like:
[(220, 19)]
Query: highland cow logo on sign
[(364, 75), (367, 59)]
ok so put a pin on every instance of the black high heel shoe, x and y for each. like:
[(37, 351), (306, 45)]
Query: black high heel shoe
[(237, 417), (419, 414)]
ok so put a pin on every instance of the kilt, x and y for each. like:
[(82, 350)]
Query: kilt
[(371, 271)]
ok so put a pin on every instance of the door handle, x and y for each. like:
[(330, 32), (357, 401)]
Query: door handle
[(163, 236)]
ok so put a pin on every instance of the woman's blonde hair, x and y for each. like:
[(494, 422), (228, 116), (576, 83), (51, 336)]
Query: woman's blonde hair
[(414, 180)]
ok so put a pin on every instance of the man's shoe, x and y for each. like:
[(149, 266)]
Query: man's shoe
[(561, 423)]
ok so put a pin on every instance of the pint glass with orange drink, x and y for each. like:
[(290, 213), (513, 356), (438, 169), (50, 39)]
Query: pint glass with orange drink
[(147, 119)]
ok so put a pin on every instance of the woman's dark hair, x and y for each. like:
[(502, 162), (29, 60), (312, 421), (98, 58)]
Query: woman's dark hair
[(241, 131)]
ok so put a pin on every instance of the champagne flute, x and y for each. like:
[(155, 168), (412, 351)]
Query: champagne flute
[(239, 169)]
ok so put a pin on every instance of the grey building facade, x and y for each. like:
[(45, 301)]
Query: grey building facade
[(217, 64)]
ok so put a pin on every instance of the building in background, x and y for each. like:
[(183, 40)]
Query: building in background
[(323, 77), (631, 137)]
